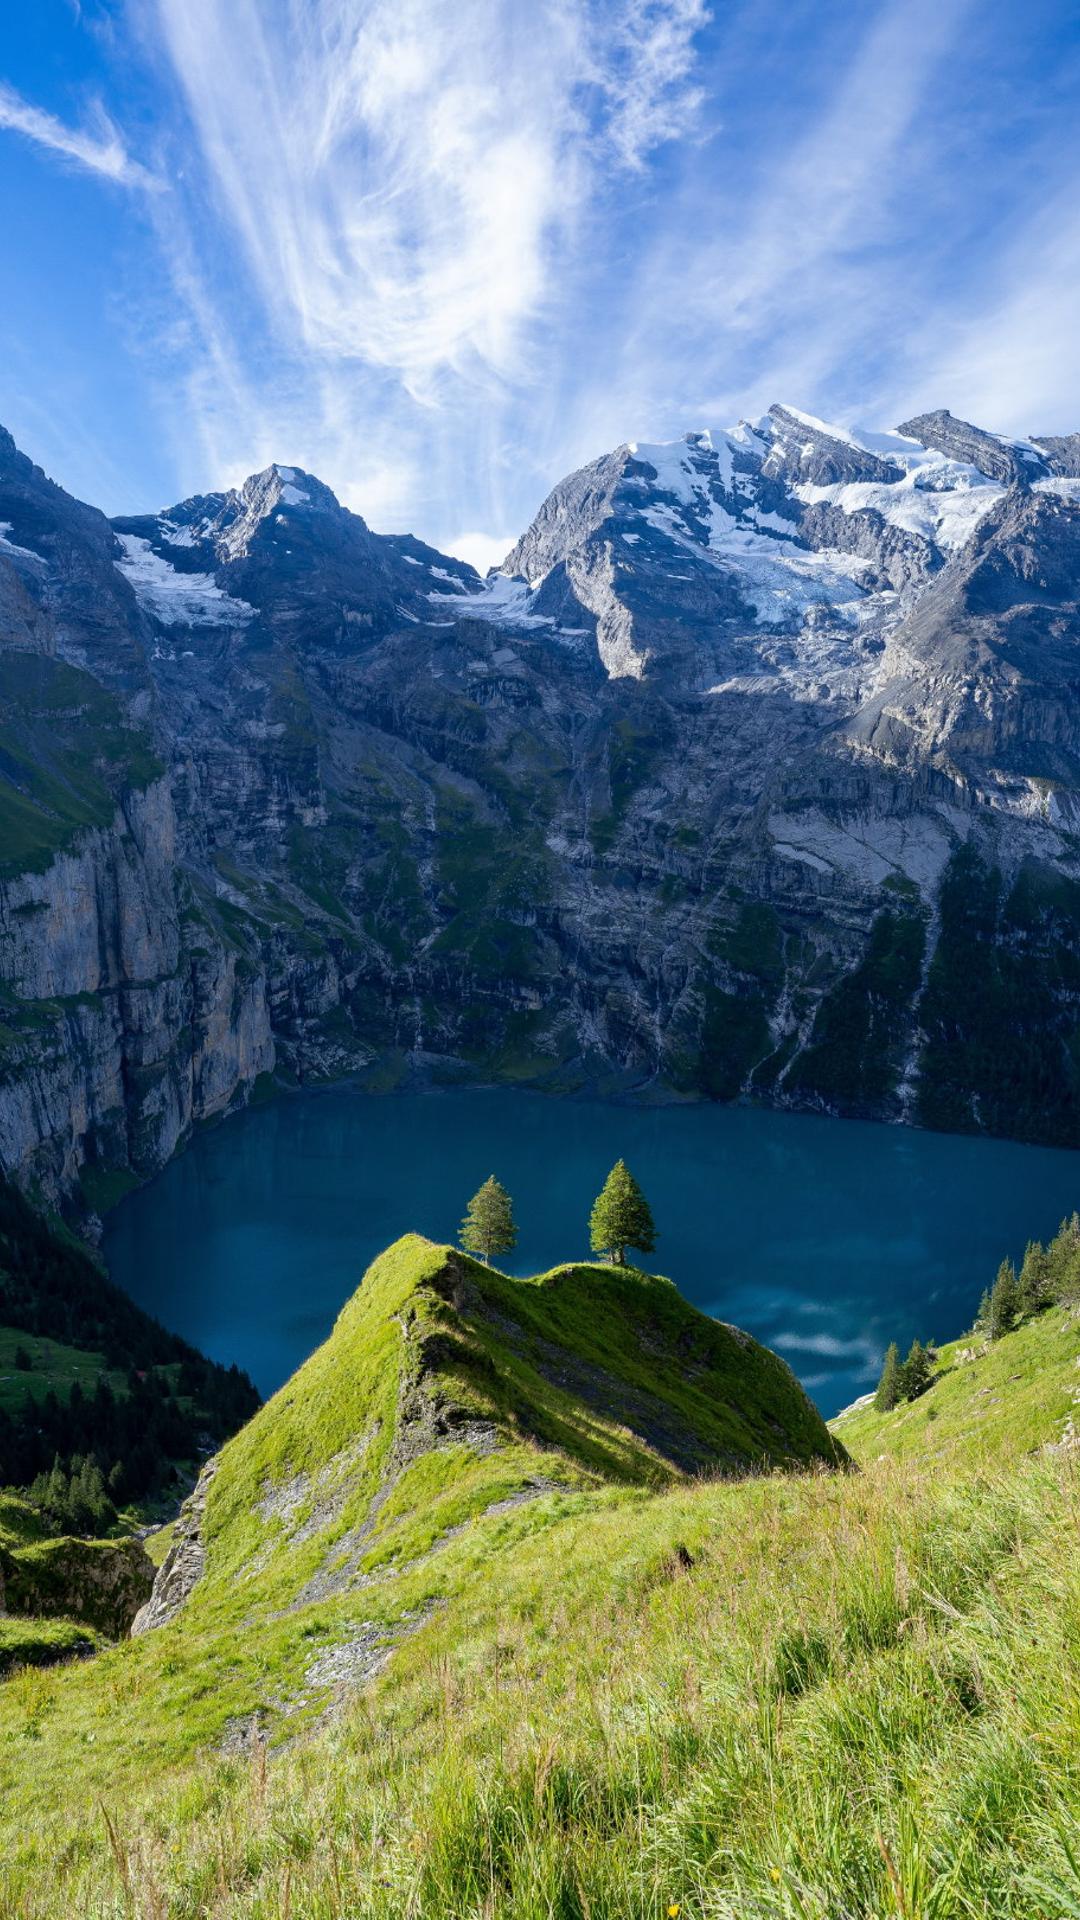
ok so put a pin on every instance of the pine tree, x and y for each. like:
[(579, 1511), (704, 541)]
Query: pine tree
[(1035, 1287), (621, 1217), (1063, 1257), (488, 1226), (1004, 1302), (888, 1387), (916, 1372)]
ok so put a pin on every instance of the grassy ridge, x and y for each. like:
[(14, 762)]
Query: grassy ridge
[(584, 1684), (454, 1415), (583, 1376), (989, 1402), (732, 1697)]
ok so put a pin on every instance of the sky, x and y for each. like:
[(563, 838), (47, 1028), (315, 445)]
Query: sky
[(442, 254)]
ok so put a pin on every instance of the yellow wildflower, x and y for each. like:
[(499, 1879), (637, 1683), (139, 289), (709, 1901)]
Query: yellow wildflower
[(673, 1911)]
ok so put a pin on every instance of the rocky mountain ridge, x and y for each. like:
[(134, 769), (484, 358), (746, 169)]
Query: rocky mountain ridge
[(449, 1394), (752, 772)]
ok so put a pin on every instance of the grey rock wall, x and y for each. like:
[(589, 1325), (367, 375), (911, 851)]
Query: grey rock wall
[(669, 805)]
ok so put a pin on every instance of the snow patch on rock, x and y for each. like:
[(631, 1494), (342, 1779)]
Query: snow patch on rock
[(941, 500), (502, 600), (9, 546), (177, 599)]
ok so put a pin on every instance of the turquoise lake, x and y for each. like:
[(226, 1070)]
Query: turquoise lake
[(825, 1238)]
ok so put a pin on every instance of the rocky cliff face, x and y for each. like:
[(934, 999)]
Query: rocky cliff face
[(752, 771), (99, 1583)]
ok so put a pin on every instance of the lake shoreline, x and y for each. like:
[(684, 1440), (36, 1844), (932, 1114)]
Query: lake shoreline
[(824, 1241)]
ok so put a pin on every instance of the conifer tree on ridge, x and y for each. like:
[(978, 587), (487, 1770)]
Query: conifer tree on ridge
[(917, 1371), (621, 1217), (888, 1393), (1035, 1286), (1004, 1303), (488, 1226)]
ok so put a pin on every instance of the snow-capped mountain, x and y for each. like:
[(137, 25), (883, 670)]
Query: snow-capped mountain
[(776, 527), (755, 769)]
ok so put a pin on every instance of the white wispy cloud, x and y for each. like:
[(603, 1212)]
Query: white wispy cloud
[(644, 74), (481, 550), (398, 171), (861, 1356), (825, 1344), (1010, 358), (408, 188), (836, 185), (99, 150), (425, 250), (441, 253), (795, 253)]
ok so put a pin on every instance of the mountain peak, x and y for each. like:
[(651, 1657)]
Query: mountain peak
[(279, 485), (277, 491), (1012, 462), (277, 494), (808, 451)]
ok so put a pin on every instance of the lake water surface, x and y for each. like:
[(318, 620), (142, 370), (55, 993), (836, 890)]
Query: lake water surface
[(825, 1238)]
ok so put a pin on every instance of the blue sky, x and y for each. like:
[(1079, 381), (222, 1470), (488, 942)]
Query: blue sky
[(441, 253)]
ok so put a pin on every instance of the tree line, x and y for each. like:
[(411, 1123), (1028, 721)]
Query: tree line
[(140, 1438), (77, 1500), (82, 1454), (620, 1218), (1049, 1276)]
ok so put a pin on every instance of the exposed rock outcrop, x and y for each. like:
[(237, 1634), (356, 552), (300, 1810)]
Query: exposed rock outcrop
[(1014, 463), (99, 1583), (673, 800), (183, 1565)]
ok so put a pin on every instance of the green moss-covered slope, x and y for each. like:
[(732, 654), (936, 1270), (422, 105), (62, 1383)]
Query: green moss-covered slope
[(464, 1643), (989, 1400), (19, 1522), (67, 754), (447, 1389), (43, 1643), (99, 1583), (453, 1415), (60, 1596)]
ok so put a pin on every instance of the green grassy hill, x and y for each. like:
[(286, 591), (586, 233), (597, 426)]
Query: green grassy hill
[(62, 1597), (480, 1630), (990, 1401), (453, 1416)]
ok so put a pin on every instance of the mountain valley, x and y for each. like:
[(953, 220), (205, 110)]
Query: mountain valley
[(751, 774)]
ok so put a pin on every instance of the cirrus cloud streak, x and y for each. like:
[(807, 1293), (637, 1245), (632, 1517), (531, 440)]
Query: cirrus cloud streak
[(400, 174), (100, 151)]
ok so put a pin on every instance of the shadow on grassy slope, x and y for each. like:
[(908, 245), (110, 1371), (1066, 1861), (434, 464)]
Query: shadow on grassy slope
[(800, 1695)]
